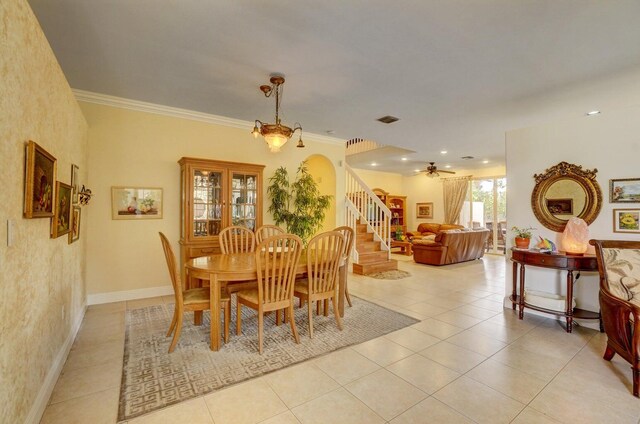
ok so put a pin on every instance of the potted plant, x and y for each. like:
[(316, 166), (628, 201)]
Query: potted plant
[(299, 205), (523, 236)]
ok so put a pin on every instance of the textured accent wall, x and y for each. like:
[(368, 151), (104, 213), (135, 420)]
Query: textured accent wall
[(38, 275)]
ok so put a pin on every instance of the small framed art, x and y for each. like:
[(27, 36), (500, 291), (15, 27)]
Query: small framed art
[(74, 183), (424, 210), (624, 191), (626, 221), (61, 222), (136, 203), (39, 182), (560, 206), (74, 234)]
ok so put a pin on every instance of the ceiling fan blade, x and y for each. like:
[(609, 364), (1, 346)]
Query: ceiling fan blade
[(446, 172)]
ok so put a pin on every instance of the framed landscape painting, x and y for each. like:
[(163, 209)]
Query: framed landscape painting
[(61, 222), (136, 203), (39, 182), (624, 191), (626, 221), (424, 210)]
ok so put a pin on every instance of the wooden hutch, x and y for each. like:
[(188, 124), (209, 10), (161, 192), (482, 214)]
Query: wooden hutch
[(214, 195)]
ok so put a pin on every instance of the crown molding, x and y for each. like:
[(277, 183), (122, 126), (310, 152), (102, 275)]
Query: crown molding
[(120, 102)]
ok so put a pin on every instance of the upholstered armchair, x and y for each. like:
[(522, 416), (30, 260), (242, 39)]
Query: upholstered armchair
[(619, 268)]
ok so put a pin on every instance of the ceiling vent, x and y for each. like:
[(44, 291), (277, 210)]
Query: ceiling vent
[(466, 157), (388, 119)]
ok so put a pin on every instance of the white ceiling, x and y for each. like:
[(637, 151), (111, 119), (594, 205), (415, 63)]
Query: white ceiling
[(458, 73)]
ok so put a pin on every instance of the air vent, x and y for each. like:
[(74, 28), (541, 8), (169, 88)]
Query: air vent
[(466, 157), (388, 119)]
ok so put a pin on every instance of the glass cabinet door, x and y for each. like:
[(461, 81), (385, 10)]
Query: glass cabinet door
[(207, 203), (244, 198)]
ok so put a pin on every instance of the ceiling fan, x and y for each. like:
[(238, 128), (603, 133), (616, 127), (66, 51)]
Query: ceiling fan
[(433, 171)]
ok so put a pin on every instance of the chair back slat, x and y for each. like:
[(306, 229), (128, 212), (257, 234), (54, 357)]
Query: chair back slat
[(277, 258), (174, 272), (236, 239), (324, 255), (349, 238), (267, 231)]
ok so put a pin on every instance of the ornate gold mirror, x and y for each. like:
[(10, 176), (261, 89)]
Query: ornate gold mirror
[(564, 191)]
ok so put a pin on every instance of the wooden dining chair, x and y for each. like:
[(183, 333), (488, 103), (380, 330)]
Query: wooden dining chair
[(324, 254), (236, 239), (349, 238), (619, 268), (276, 262), (267, 231), (190, 300)]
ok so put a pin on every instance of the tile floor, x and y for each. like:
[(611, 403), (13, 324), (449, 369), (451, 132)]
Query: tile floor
[(468, 360)]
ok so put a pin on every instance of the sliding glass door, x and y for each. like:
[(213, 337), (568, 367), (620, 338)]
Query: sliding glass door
[(486, 206)]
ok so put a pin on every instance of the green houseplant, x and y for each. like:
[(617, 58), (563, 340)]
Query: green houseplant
[(299, 205), (523, 236)]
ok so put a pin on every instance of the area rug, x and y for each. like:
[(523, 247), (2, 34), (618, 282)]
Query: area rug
[(395, 274), (153, 379)]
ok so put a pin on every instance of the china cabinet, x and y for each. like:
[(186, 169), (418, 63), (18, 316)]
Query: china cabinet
[(214, 195)]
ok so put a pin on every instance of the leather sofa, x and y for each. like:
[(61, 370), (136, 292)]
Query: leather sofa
[(431, 229), (451, 247)]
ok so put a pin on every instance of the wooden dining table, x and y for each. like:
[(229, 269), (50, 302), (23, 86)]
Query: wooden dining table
[(236, 267)]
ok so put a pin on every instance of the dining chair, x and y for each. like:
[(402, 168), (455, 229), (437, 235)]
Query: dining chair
[(236, 239), (267, 231), (349, 238), (324, 254), (277, 259), (191, 299), (619, 269)]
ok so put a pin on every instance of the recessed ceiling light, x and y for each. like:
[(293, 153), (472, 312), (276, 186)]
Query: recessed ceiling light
[(416, 170), (443, 152), (404, 159), (374, 164), (485, 161), (593, 112), (447, 166)]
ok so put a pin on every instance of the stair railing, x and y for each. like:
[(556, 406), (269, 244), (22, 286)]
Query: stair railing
[(365, 206)]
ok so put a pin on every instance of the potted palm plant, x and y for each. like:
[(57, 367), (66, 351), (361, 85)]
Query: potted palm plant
[(299, 205), (523, 236)]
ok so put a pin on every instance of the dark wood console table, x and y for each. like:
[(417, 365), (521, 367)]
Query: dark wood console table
[(559, 261)]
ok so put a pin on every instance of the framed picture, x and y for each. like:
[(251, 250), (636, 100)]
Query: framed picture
[(136, 203), (424, 210), (61, 222), (74, 234), (74, 183), (39, 182), (560, 206), (624, 191), (626, 221)]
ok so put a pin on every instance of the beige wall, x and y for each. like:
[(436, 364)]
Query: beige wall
[(39, 276), (325, 176), (609, 142), (128, 147)]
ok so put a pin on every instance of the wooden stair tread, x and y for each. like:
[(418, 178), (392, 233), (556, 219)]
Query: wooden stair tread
[(370, 268)]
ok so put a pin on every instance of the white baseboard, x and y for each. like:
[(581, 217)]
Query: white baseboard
[(119, 296), (49, 383)]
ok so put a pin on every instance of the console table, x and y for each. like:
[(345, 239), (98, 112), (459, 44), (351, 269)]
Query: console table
[(559, 261)]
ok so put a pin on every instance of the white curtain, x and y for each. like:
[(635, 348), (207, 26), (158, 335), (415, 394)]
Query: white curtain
[(455, 192)]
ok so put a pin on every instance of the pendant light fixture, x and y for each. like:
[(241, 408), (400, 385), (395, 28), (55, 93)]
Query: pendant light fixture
[(276, 135)]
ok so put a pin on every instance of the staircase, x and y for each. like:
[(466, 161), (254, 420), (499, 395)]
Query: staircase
[(371, 220)]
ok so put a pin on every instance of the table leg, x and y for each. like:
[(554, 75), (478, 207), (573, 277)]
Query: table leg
[(515, 281), (342, 287), (521, 300), (569, 312), (214, 291)]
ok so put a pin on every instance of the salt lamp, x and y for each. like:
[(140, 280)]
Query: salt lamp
[(575, 239)]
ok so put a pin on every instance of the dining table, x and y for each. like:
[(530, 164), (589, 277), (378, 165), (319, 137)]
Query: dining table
[(237, 267)]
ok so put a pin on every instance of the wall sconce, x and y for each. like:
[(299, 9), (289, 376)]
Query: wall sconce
[(575, 238), (84, 195)]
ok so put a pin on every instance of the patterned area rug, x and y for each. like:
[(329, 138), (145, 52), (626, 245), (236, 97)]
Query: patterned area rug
[(396, 274), (153, 379)]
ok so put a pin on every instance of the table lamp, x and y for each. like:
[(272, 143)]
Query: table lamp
[(575, 238)]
